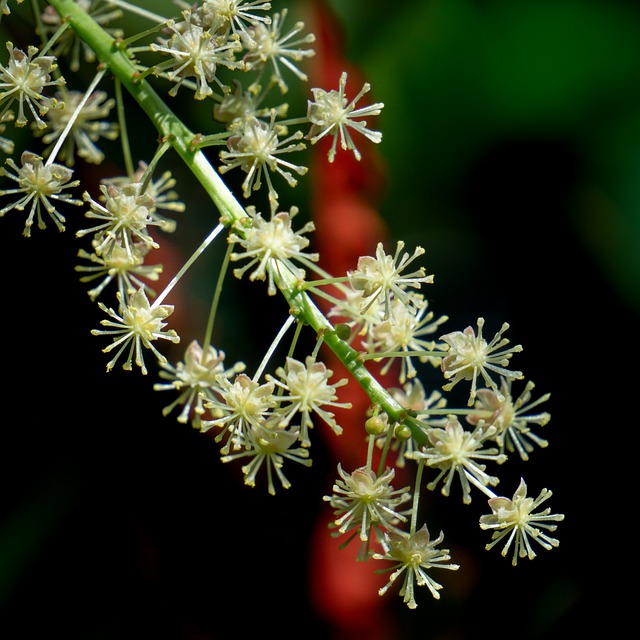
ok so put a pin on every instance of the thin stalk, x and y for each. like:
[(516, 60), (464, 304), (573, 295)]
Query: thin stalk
[(198, 252), (216, 298), (122, 125), (416, 497), (143, 13), (73, 118), (274, 345)]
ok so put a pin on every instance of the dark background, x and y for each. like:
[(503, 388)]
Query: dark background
[(512, 151)]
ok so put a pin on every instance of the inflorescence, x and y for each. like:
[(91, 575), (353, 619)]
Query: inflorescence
[(241, 57)]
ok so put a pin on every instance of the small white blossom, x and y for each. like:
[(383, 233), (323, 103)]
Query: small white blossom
[(232, 17), (242, 404), (516, 519), (331, 113), (127, 213), (196, 379), (163, 197), (403, 336), (363, 502), (137, 326), (511, 418), (127, 268), (469, 355), (267, 45), (455, 452), (308, 392), (256, 148), (40, 185), (23, 80), (382, 278), (270, 445), (195, 54), (414, 555), (270, 246)]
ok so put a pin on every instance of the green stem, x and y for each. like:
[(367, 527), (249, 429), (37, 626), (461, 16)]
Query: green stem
[(113, 56), (124, 135), (196, 254), (216, 299), (416, 497)]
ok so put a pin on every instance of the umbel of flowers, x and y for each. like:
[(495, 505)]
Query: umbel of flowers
[(240, 57)]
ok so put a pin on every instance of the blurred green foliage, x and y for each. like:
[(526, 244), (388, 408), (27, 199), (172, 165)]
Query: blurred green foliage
[(460, 77)]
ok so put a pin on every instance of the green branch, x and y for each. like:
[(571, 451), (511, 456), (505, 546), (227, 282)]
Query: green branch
[(113, 56)]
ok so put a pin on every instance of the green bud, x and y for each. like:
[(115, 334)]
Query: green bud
[(343, 331), (402, 432), (375, 425)]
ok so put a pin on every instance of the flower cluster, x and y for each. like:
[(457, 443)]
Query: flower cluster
[(239, 57), (258, 422)]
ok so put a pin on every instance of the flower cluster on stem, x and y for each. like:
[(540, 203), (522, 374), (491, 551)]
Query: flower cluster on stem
[(240, 58)]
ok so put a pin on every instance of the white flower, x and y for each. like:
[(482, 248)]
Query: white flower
[(88, 127), (256, 148), (362, 501), (270, 445), (41, 186), (196, 379), (127, 213), (125, 267), (267, 44), (270, 246), (382, 278), (455, 451), (139, 325), (403, 336), (469, 355), (516, 519), (414, 555), (511, 418), (195, 53), (160, 191), (231, 17), (331, 113), (23, 79), (242, 405), (308, 391)]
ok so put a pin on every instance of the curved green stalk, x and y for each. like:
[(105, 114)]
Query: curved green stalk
[(113, 56)]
